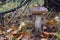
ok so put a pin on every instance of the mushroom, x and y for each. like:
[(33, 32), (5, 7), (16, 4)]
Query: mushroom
[(39, 11)]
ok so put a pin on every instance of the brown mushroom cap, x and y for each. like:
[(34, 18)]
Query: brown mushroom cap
[(39, 10)]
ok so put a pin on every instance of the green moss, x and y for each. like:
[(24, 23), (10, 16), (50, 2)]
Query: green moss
[(8, 6)]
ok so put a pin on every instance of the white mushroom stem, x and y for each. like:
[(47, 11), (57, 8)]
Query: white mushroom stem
[(38, 22)]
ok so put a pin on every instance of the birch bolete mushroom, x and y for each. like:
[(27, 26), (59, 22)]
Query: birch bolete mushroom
[(39, 11)]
